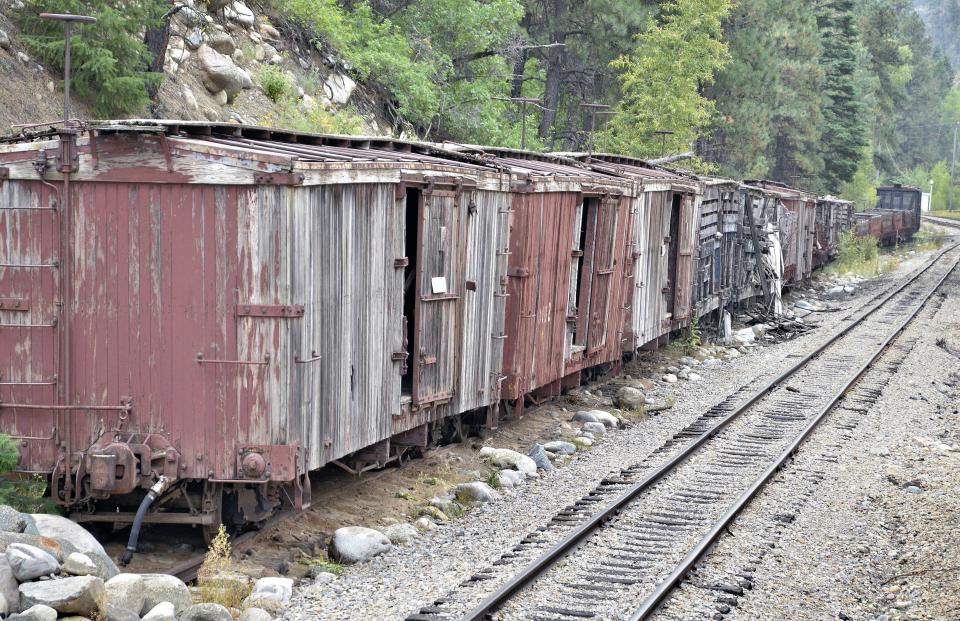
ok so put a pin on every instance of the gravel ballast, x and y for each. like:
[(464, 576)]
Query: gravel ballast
[(402, 580)]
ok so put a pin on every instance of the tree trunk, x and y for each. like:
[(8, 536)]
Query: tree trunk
[(555, 62)]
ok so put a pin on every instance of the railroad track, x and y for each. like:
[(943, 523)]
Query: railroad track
[(947, 222), (640, 531)]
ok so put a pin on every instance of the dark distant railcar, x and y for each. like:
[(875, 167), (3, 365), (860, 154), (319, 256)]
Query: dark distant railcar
[(901, 198)]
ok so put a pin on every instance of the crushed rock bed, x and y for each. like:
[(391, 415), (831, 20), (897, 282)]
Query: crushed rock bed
[(877, 538), (397, 583)]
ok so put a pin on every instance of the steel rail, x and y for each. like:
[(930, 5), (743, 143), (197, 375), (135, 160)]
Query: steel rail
[(666, 586), (572, 539), (947, 222)]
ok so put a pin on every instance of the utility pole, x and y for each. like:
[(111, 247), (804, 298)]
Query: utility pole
[(523, 101), (596, 109), (663, 133), (953, 166)]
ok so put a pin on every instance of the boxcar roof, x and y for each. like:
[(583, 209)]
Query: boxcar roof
[(265, 141)]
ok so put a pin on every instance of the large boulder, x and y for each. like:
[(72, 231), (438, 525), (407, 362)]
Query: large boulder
[(206, 612), (595, 428), (79, 595), (606, 418), (35, 613), (159, 588), (559, 447), (11, 520), (126, 591), (67, 531), (30, 562), (629, 398), (540, 457), (511, 478), (339, 88), (222, 42), (220, 74), (163, 611), (477, 491), (239, 12), (79, 564), (9, 585), (356, 544), (506, 458), (400, 533), (270, 594)]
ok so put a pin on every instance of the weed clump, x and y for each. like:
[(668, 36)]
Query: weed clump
[(218, 579)]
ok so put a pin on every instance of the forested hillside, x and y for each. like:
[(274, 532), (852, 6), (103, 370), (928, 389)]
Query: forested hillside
[(834, 95)]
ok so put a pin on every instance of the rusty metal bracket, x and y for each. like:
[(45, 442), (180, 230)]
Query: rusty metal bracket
[(314, 356), (270, 310), (289, 178), (518, 272), (202, 360), (4, 173), (15, 304), (67, 154), (401, 262)]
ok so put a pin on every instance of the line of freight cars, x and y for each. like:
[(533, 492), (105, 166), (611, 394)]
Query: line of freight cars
[(199, 315), (896, 217)]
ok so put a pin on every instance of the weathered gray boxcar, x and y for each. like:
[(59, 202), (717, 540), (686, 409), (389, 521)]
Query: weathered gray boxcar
[(738, 233), (797, 228), (216, 308)]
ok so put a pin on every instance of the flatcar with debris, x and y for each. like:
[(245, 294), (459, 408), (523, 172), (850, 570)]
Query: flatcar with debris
[(194, 316)]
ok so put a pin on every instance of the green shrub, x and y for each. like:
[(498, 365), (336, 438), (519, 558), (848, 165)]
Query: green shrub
[(23, 494), (316, 120), (276, 84), (110, 59)]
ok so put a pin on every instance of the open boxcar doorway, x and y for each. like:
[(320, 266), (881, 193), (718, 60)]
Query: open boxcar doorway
[(673, 254)]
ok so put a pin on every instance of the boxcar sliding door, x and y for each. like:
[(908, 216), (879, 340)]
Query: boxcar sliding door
[(440, 250)]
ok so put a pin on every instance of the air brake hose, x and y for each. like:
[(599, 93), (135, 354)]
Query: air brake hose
[(158, 488)]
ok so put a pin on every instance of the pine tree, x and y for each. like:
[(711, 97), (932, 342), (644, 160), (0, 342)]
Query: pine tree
[(110, 59), (844, 129), (663, 78)]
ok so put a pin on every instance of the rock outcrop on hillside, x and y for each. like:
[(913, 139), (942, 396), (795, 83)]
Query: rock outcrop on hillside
[(214, 65)]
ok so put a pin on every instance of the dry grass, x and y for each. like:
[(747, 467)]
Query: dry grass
[(218, 578)]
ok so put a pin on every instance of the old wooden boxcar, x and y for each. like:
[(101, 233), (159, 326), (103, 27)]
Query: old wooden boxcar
[(216, 308), (833, 217), (797, 229), (568, 248), (660, 258), (737, 224)]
